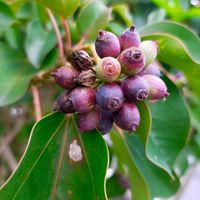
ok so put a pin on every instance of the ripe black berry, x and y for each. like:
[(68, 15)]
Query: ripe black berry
[(135, 88), (110, 96), (127, 117), (82, 98)]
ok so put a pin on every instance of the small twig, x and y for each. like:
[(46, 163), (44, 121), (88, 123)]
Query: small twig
[(58, 35), (10, 136), (67, 33), (10, 158), (36, 102), (79, 45)]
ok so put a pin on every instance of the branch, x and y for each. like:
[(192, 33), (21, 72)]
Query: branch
[(58, 35), (67, 33), (81, 42), (36, 102)]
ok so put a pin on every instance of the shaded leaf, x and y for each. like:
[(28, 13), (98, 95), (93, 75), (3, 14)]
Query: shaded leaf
[(48, 171), (15, 75), (93, 17), (7, 17), (156, 16), (38, 42), (61, 7), (170, 128)]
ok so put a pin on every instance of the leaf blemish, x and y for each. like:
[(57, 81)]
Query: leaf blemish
[(75, 152)]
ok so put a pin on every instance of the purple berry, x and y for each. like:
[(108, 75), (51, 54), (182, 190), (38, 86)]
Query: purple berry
[(135, 88), (151, 69), (81, 60), (150, 49), (129, 38), (132, 60), (108, 69), (110, 96), (82, 98), (89, 120), (158, 89), (106, 122), (127, 117), (63, 103), (65, 77), (107, 44)]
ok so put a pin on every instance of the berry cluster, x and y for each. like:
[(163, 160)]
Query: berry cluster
[(128, 72)]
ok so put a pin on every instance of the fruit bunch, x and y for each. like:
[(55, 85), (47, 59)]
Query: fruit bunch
[(125, 74)]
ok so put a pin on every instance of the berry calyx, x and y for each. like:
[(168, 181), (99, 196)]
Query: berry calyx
[(109, 96), (135, 88), (108, 69), (132, 60)]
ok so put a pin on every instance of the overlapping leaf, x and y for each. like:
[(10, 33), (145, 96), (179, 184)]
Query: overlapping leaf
[(48, 170)]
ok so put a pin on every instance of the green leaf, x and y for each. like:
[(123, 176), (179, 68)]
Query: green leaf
[(156, 16), (123, 11), (63, 8), (15, 75), (170, 128), (7, 17), (48, 171), (93, 17), (154, 176), (38, 43), (179, 47), (139, 187)]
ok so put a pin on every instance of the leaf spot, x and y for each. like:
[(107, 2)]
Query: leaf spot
[(75, 152)]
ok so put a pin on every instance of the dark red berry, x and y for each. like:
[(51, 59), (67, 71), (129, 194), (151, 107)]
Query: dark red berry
[(151, 69), (106, 122), (132, 60), (108, 69), (65, 77), (110, 96), (86, 78), (82, 98), (81, 60), (89, 120), (129, 38), (127, 117), (107, 44), (135, 88), (63, 103), (158, 89)]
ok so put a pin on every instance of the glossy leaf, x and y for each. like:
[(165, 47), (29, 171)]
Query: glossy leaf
[(38, 43), (123, 11), (139, 187), (7, 17), (93, 17), (170, 128), (179, 47), (53, 168), (61, 7), (15, 75), (156, 16)]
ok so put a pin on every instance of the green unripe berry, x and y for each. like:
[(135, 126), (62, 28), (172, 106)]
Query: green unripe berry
[(150, 49), (108, 69)]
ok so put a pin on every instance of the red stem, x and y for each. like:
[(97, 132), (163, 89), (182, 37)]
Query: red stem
[(67, 33), (58, 35), (36, 102)]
